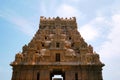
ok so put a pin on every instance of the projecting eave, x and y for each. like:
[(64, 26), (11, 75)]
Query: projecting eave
[(59, 64)]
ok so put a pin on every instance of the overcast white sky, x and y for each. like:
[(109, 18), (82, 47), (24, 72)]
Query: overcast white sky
[(98, 23)]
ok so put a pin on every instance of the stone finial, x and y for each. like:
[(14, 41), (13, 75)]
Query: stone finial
[(42, 18), (90, 49)]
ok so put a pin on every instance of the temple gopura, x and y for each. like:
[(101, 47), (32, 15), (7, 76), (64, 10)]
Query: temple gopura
[(57, 48)]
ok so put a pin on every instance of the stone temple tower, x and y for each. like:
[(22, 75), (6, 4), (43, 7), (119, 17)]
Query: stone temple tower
[(57, 48)]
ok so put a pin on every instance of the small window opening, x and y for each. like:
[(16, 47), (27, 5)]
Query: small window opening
[(57, 45), (42, 45), (69, 38), (72, 45), (45, 37), (57, 57)]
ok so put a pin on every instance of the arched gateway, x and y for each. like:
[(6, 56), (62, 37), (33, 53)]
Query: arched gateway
[(57, 49)]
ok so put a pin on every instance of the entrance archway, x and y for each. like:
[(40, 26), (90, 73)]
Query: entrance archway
[(57, 77), (55, 73)]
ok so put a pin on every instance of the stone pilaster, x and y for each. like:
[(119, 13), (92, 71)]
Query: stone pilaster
[(79, 75), (44, 75), (84, 74), (69, 75)]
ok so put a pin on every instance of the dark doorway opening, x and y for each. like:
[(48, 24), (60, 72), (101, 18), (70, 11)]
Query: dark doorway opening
[(38, 76), (57, 73), (76, 76), (57, 77)]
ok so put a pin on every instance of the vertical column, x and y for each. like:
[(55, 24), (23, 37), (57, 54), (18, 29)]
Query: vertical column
[(84, 74), (26, 75), (80, 75), (72, 75), (21, 75), (90, 73), (34, 74), (100, 74), (69, 75), (29, 75), (93, 74), (44, 75), (101, 77), (96, 74), (16, 76)]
